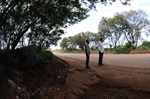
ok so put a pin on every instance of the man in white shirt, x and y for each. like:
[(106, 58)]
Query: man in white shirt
[(101, 51), (87, 53)]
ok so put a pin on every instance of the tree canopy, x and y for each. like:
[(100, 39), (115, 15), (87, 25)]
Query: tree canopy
[(40, 22), (78, 41), (122, 27)]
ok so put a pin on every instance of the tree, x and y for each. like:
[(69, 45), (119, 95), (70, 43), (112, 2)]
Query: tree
[(68, 43), (71, 45), (111, 29), (17, 17), (93, 38), (27, 14), (63, 43), (103, 29), (137, 24), (78, 41), (42, 36), (129, 25)]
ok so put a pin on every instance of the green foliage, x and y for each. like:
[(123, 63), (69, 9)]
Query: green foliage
[(44, 19), (26, 59), (144, 46), (47, 55), (137, 24), (26, 64), (40, 22), (124, 26), (146, 43), (119, 49), (78, 41), (63, 43), (126, 48)]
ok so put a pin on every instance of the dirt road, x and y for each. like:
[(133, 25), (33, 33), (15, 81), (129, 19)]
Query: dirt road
[(122, 76), (124, 60)]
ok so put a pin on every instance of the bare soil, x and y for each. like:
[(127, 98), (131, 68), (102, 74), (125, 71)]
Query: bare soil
[(72, 80), (106, 82)]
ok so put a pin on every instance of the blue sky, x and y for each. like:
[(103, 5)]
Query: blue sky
[(91, 23)]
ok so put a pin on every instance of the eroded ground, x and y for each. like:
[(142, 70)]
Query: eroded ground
[(106, 82)]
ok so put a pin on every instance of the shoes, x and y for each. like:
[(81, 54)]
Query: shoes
[(100, 64), (87, 67)]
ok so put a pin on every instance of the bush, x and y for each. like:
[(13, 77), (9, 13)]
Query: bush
[(145, 46), (28, 58), (47, 55), (126, 46), (25, 58)]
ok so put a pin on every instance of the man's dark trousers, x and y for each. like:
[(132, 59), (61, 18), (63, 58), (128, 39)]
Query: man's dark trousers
[(100, 58), (87, 60)]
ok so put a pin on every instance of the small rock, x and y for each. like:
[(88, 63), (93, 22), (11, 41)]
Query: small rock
[(18, 88), (38, 94), (70, 70), (58, 77), (12, 84), (17, 97)]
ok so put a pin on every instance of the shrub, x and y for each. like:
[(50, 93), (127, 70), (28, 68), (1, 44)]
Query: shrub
[(47, 55), (28, 58), (145, 46), (24, 58)]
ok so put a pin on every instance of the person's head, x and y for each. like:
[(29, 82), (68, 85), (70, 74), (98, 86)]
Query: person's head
[(101, 39), (87, 41)]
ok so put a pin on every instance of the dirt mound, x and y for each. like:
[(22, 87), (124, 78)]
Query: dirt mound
[(39, 84)]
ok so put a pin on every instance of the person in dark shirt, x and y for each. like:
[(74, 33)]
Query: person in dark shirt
[(87, 53)]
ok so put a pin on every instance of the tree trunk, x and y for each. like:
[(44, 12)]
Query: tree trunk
[(20, 35)]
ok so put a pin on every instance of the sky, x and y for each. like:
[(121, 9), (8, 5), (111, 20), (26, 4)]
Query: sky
[(92, 22)]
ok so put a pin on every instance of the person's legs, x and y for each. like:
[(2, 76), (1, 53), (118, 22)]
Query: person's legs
[(100, 58), (87, 60)]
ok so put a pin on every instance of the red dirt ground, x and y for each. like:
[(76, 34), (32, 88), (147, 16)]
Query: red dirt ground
[(107, 82), (73, 81)]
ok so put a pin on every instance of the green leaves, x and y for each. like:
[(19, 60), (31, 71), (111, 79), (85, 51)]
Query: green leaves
[(78, 41), (19, 17), (128, 25), (25, 17)]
